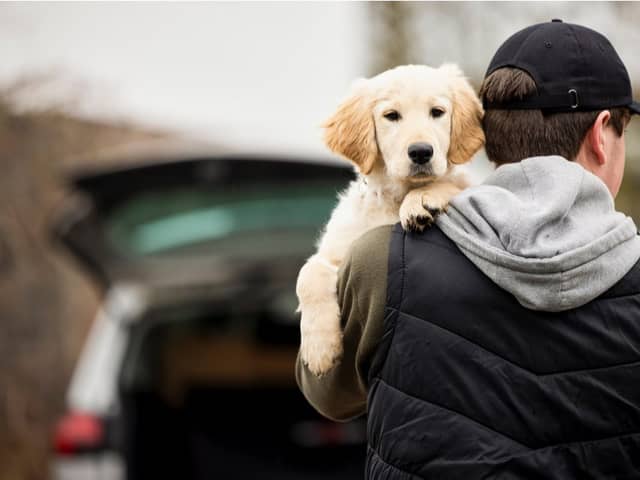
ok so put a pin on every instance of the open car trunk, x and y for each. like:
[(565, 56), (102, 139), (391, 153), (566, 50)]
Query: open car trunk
[(206, 386), (214, 397)]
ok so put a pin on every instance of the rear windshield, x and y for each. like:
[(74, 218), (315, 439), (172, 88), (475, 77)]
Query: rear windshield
[(241, 220)]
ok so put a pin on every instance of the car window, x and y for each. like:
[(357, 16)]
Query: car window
[(240, 220)]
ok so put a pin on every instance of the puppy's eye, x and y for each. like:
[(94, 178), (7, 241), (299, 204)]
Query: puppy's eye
[(392, 115), (437, 112)]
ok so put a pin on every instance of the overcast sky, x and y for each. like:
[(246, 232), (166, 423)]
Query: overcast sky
[(256, 76), (249, 74)]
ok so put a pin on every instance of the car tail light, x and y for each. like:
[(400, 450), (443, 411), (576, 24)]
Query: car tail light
[(314, 434), (77, 433)]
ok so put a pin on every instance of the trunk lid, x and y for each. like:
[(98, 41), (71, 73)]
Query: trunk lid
[(201, 219)]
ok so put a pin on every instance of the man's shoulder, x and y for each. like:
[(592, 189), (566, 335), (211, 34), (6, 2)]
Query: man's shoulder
[(366, 265), (373, 240), (370, 251)]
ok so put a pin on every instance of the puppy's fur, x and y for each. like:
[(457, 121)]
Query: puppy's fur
[(374, 128)]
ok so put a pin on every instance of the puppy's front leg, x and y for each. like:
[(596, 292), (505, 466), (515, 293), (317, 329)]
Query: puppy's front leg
[(422, 205), (321, 336)]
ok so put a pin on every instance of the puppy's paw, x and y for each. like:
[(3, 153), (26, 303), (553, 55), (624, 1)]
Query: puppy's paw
[(416, 223), (321, 350), (414, 217), (420, 209), (321, 338), (435, 205)]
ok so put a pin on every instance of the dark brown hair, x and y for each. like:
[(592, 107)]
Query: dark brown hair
[(512, 135)]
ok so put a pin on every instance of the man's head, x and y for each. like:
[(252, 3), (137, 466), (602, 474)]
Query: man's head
[(546, 93)]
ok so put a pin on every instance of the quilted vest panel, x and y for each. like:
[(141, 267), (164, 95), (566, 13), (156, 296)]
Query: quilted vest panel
[(469, 384)]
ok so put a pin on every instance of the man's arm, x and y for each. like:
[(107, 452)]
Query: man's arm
[(341, 394)]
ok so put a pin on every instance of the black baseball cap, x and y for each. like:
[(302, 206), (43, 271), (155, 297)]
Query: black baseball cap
[(575, 69)]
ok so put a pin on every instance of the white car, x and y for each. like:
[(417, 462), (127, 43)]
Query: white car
[(188, 370)]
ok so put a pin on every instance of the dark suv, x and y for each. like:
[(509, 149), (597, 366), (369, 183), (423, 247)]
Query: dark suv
[(188, 371)]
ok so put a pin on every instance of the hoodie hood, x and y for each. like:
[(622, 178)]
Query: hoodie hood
[(546, 230)]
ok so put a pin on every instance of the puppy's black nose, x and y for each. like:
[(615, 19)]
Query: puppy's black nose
[(420, 153)]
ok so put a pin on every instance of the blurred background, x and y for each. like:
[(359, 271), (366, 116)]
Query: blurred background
[(121, 122)]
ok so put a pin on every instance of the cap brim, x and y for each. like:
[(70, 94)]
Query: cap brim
[(635, 107)]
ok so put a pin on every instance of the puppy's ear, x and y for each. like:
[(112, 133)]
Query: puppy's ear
[(467, 136), (350, 131)]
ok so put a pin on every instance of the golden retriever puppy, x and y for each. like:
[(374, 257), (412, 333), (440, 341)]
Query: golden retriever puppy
[(405, 130)]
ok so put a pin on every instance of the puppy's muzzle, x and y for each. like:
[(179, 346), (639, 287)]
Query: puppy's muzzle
[(420, 153)]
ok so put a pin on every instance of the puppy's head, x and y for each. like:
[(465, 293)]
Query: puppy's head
[(415, 121)]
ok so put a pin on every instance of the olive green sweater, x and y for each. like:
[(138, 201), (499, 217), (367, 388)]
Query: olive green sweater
[(341, 394)]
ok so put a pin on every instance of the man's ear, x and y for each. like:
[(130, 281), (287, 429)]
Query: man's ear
[(467, 136), (350, 131), (596, 138)]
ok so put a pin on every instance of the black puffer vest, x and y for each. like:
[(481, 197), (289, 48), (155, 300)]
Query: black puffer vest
[(468, 384)]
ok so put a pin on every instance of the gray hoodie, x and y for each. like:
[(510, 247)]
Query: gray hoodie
[(546, 230)]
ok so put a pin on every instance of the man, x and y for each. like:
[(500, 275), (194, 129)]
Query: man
[(505, 341)]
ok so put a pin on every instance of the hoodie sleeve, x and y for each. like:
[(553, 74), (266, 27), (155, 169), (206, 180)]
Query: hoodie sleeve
[(341, 394)]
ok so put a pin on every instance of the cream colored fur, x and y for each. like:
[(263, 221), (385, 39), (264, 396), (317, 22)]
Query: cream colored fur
[(390, 187)]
